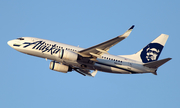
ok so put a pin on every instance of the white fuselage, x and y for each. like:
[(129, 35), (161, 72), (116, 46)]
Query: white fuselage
[(50, 50)]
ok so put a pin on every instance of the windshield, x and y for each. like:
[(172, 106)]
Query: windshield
[(20, 38)]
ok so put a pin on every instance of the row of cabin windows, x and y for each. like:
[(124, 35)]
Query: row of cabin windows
[(71, 49), (68, 49), (62, 48), (111, 59)]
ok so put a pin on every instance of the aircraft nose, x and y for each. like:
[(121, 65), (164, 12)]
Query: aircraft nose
[(10, 43)]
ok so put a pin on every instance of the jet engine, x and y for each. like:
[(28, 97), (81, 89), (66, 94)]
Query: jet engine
[(67, 55), (59, 67)]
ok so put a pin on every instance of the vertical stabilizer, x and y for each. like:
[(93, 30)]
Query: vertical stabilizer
[(150, 52)]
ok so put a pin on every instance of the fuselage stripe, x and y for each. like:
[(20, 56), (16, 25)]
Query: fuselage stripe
[(115, 67)]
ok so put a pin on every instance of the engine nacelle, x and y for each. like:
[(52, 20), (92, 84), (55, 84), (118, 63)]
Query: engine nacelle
[(59, 67), (67, 55)]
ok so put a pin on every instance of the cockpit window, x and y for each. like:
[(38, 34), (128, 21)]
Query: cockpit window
[(20, 38)]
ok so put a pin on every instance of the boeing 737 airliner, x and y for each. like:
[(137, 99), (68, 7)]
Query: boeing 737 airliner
[(66, 58)]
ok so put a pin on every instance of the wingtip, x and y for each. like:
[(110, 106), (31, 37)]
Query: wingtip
[(127, 33), (131, 27)]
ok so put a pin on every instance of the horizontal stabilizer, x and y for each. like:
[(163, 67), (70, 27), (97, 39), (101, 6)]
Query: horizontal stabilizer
[(156, 64)]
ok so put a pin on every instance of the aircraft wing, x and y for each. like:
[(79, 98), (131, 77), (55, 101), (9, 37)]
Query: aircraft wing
[(102, 48)]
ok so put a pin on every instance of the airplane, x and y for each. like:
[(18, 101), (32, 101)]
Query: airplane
[(67, 58)]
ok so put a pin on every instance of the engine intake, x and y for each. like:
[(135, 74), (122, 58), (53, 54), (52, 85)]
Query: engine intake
[(59, 67), (68, 55)]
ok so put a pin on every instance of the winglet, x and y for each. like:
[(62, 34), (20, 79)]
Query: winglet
[(131, 27), (127, 33)]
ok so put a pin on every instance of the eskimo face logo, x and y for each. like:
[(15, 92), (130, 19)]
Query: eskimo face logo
[(151, 52)]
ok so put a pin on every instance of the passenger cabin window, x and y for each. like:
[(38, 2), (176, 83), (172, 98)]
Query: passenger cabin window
[(20, 38)]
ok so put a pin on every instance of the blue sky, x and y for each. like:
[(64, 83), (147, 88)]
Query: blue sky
[(27, 81)]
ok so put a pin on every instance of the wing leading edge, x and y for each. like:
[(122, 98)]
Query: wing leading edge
[(102, 48)]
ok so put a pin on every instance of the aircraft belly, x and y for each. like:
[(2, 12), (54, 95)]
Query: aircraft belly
[(116, 70), (112, 68)]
